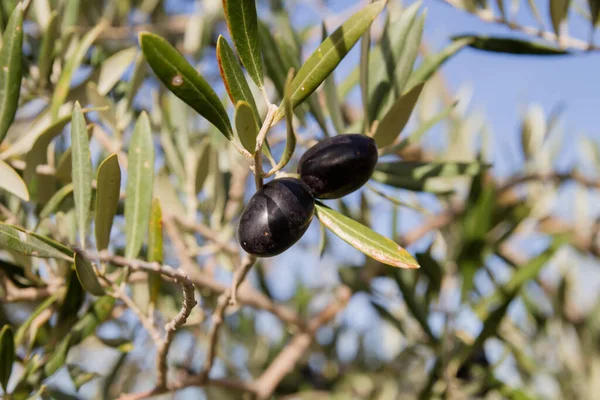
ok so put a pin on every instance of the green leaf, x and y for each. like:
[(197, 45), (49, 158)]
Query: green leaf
[(11, 69), (107, 199), (331, 98), (59, 355), (594, 11), (290, 141), (201, 164), (246, 126), (433, 62), (420, 176), (81, 172), (397, 117), (329, 54), (233, 76), (272, 57), (155, 249), (64, 81), (47, 49), (184, 81), (510, 45), (139, 186), (364, 239), (56, 201), (79, 376), (86, 274), (113, 68), (243, 24), (25, 243), (8, 355), (558, 13), (12, 182)]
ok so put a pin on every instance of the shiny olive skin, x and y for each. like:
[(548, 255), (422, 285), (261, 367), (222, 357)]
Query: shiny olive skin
[(338, 165), (276, 217)]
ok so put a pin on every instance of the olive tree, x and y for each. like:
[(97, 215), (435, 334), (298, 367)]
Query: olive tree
[(159, 171)]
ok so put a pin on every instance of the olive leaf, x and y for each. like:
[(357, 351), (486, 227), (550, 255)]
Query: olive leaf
[(558, 13), (331, 97), (64, 81), (108, 184), (330, 53), (47, 48), (246, 126), (397, 117), (138, 201), (113, 68), (184, 81), (11, 69), (27, 244), (422, 176), (12, 182), (364, 239), (81, 171), (86, 274), (510, 45), (233, 76), (155, 248), (290, 141), (8, 355), (243, 25)]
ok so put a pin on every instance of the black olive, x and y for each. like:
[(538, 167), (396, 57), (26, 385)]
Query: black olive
[(338, 165), (276, 217)]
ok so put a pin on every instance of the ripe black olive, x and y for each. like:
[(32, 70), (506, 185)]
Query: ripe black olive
[(276, 217), (338, 165)]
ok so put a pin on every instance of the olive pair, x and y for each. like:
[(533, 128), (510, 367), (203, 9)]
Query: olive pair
[(280, 212)]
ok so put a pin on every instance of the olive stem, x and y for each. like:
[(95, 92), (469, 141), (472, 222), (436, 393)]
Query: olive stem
[(262, 134), (239, 277)]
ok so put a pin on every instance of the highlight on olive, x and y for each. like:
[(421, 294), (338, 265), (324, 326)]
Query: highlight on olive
[(338, 165), (276, 217)]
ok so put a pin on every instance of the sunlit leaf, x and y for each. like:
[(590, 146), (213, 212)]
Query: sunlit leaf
[(364, 239), (155, 248), (140, 178), (113, 68), (233, 76), (107, 199), (12, 182), (510, 45), (8, 355), (397, 117), (64, 81), (82, 171), (331, 98), (184, 81), (246, 126), (243, 24), (329, 54), (26, 244), (86, 275), (11, 69)]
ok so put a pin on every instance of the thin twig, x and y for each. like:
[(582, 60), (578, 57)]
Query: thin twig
[(213, 335), (240, 275)]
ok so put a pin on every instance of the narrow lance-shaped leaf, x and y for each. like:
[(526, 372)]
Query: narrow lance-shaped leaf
[(82, 171), (510, 45), (364, 239), (64, 81), (365, 50), (11, 69), (243, 24), (7, 355), (558, 13), (26, 244), (108, 185), (24, 327), (184, 81), (113, 68), (594, 11), (246, 126), (397, 117), (331, 97), (56, 201), (47, 46), (11, 182), (139, 186), (233, 76), (290, 142), (155, 248), (330, 53), (86, 274)]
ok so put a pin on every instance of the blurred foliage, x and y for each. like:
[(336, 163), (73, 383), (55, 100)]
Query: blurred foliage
[(146, 121)]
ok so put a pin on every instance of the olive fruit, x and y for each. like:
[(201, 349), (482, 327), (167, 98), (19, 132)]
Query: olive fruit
[(338, 165), (276, 217)]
